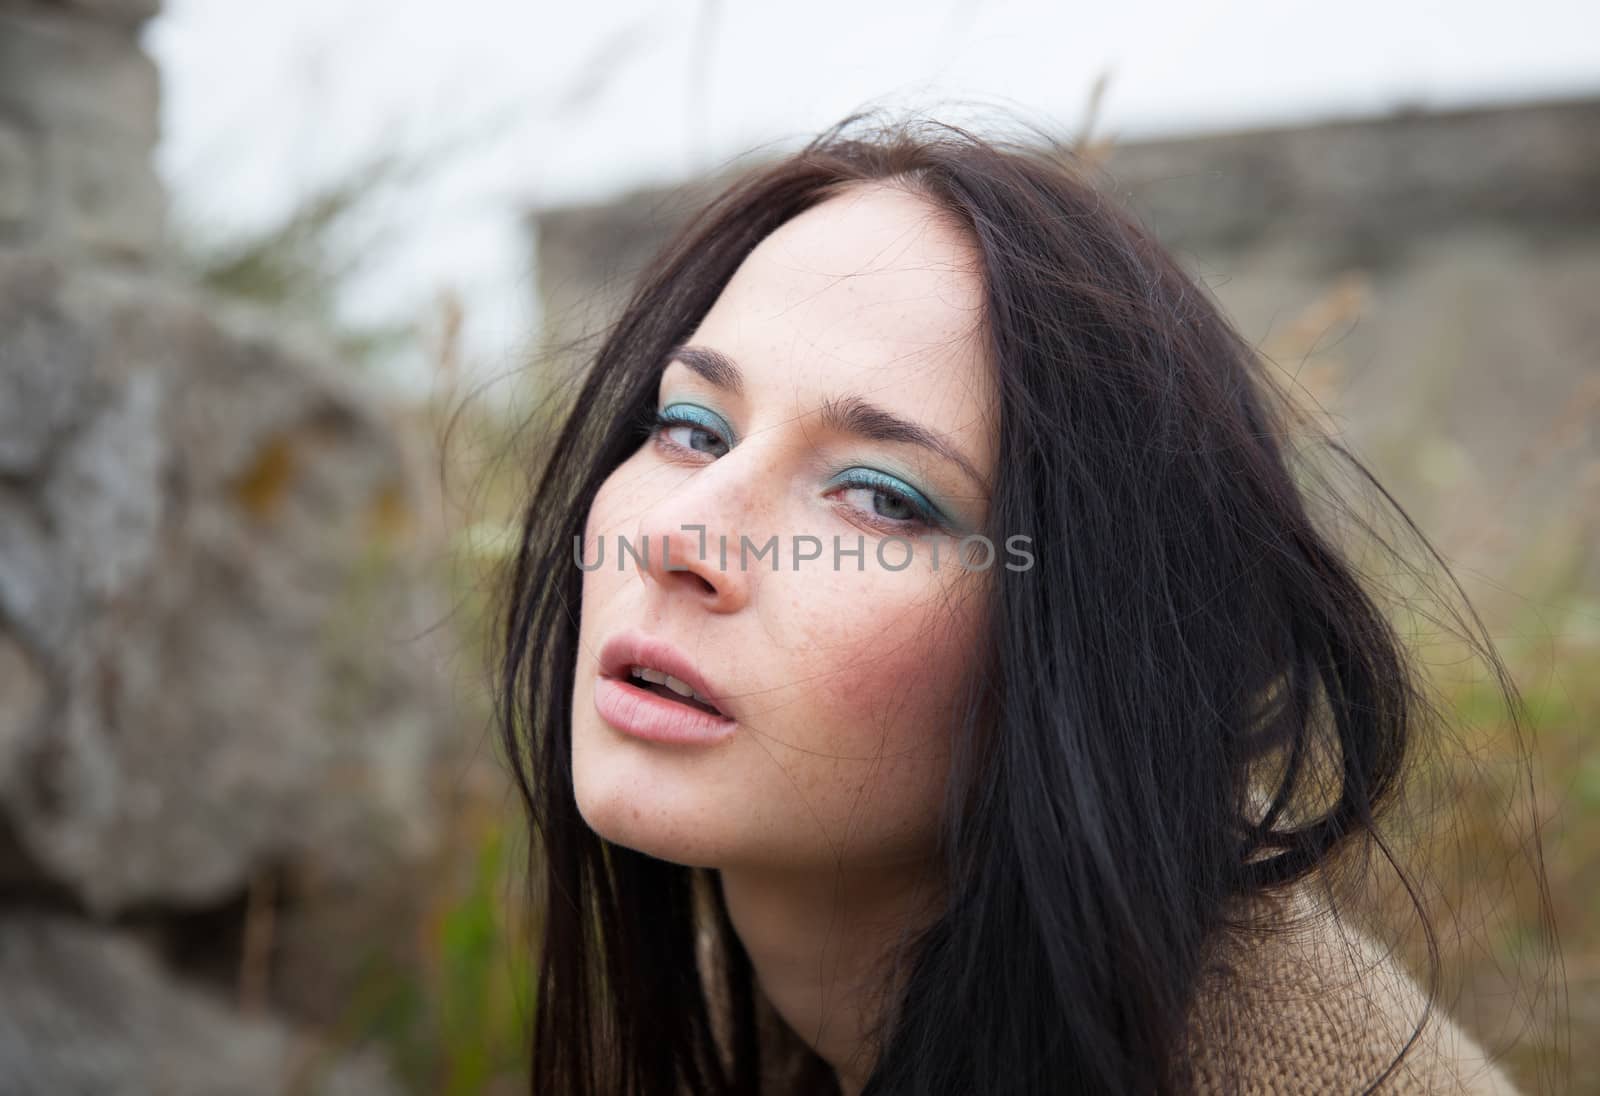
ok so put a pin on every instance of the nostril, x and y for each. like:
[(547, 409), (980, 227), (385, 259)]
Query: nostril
[(705, 584)]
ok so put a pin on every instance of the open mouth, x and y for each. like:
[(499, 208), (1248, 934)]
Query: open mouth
[(671, 688)]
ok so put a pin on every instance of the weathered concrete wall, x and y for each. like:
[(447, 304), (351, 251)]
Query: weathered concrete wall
[(78, 123), (207, 603), (1430, 279)]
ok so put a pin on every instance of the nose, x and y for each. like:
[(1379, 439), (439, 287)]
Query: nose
[(689, 541)]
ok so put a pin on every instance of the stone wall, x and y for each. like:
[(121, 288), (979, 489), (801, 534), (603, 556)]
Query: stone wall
[(78, 123), (209, 671)]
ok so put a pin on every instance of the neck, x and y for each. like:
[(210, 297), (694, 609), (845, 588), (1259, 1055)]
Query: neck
[(824, 947)]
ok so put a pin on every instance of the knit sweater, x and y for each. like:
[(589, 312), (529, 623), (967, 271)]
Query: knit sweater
[(1317, 1007)]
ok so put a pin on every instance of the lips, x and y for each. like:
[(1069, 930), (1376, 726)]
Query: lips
[(628, 650), (650, 689)]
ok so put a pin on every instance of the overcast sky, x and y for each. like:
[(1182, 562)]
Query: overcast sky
[(548, 103)]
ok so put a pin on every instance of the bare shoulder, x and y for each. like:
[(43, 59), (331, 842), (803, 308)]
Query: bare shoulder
[(1316, 1006)]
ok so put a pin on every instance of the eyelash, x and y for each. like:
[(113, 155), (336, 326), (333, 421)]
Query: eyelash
[(659, 422)]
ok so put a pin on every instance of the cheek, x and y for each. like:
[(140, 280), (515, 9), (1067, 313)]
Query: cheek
[(617, 498), (883, 642), (877, 663), (614, 514)]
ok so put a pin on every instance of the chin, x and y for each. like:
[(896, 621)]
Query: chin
[(624, 823), (627, 800)]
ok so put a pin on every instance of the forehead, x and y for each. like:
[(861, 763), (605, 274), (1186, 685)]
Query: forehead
[(873, 292)]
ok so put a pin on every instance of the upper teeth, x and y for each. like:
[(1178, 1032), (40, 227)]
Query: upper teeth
[(656, 677)]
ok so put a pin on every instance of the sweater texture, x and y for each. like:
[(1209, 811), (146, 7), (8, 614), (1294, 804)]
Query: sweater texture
[(1316, 1006)]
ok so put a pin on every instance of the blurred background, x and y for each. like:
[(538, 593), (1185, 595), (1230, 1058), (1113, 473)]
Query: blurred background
[(280, 284)]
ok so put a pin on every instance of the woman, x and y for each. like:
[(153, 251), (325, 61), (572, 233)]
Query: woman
[(924, 673)]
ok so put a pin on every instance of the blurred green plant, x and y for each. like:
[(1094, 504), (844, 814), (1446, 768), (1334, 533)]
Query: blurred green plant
[(456, 1023)]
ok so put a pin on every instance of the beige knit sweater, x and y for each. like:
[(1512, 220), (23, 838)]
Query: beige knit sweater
[(1318, 1007)]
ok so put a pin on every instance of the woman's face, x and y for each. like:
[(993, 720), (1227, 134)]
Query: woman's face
[(839, 389)]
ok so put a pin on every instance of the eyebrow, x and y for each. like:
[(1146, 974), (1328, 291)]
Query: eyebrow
[(847, 415)]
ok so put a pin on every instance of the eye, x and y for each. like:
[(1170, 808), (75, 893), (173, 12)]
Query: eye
[(691, 428), (885, 501)]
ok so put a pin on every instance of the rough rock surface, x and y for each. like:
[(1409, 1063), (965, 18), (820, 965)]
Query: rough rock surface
[(87, 1011), (199, 588), (214, 660)]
